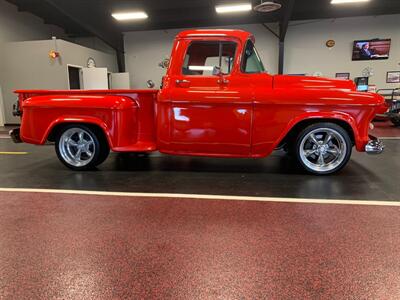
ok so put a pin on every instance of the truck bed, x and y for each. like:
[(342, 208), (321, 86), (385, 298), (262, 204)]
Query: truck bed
[(137, 120)]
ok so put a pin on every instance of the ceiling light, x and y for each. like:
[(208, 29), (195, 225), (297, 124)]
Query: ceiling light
[(222, 9), (347, 1), (137, 15)]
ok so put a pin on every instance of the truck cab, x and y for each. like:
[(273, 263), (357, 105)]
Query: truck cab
[(208, 94)]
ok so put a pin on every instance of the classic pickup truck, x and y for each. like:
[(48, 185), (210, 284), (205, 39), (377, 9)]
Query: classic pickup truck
[(216, 100)]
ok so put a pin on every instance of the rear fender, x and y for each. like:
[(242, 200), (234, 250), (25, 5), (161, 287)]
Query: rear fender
[(116, 116), (78, 120)]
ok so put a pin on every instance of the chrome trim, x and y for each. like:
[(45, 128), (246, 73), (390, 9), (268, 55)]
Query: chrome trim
[(77, 147), (323, 149), (374, 147)]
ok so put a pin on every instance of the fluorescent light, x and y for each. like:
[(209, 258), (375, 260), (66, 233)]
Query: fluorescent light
[(135, 15), (347, 1), (222, 9)]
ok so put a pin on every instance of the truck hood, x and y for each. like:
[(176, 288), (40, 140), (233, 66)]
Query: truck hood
[(309, 82)]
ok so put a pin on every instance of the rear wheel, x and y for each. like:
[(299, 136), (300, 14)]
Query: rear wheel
[(323, 148), (80, 147)]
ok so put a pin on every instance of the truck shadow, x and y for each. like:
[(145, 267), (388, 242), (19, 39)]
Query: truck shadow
[(278, 163)]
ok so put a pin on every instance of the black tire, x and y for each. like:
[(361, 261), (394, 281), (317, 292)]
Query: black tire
[(344, 142), (99, 148), (396, 120), (104, 149)]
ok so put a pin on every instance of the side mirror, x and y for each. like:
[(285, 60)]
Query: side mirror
[(217, 71), (150, 84)]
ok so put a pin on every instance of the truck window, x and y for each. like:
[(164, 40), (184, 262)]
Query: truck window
[(251, 62), (202, 57)]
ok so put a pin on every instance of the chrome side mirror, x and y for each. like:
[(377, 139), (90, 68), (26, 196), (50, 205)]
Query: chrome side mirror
[(150, 84), (217, 71)]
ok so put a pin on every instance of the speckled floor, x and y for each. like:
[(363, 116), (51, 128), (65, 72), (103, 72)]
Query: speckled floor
[(55, 246), (386, 129)]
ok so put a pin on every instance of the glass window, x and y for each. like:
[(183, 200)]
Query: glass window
[(251, 60), (202, 57)]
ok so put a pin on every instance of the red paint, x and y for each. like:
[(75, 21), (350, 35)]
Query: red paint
[(239, 115)]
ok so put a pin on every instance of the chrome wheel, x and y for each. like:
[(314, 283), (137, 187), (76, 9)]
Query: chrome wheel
[(77, 147), (323, 149)]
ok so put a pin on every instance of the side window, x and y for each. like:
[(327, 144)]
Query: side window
[(251, 62), (202, 57)]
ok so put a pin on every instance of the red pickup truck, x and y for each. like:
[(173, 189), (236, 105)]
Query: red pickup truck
[(215, 100)]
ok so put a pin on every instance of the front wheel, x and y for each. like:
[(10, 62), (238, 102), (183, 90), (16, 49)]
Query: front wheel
[(323, 148), (80, 147)]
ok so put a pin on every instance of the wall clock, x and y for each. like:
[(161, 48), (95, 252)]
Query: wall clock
[(330, 43), (91, 63)]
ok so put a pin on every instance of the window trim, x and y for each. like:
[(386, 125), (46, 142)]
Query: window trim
[(242, 66), (220, 57)]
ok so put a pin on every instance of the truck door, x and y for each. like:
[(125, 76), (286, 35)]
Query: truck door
[(210, 114)]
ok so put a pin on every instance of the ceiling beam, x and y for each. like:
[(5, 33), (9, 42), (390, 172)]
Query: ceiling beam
[(287, 15), (270, 30), (283, 28), (71, 10)]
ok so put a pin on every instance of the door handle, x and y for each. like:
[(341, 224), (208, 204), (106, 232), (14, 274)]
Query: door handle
[(223, 81), (182, 82)]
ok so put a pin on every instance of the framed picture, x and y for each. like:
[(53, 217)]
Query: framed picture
[(393, 77), (343, 75)]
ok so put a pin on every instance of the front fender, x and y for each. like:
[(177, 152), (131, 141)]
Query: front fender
[(360, 137)]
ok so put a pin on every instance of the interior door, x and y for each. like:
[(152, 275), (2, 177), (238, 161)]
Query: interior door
[(210, 114), (94, 79)]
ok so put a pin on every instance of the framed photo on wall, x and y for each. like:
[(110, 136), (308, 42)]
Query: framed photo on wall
[(393, 77), (343, 75)]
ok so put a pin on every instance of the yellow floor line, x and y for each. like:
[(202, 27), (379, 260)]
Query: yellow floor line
[(208, 197), (14, 153)]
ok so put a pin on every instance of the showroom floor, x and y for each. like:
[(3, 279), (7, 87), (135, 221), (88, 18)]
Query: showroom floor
[(149, 244)]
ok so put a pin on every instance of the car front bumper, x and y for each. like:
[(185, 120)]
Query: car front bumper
[(374, 146)]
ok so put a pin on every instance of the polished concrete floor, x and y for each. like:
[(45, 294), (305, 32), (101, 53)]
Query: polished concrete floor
[(366, 177)]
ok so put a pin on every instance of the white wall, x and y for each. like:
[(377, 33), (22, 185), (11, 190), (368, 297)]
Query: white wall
[(305, 50), (146, 49), (28, 66), (20, 26)]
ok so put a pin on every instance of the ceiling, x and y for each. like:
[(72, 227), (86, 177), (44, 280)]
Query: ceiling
[(93, 17)]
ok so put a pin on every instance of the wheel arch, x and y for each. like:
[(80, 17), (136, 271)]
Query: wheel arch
[(298, 126), (94, 124)]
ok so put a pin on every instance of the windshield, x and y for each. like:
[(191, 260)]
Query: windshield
[(251, 60)]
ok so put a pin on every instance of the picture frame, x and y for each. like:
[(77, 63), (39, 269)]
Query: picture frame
[(343, 76), (393, 77)]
